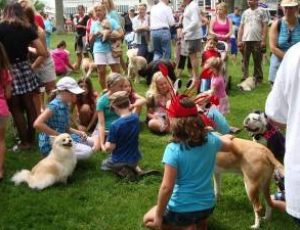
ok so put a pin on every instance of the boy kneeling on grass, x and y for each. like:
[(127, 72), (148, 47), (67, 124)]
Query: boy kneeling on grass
[(123, 139)]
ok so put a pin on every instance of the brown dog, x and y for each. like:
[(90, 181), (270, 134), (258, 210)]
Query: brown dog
[(257, 164)]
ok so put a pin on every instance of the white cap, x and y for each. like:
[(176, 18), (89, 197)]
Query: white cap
[(68, 83), (289, 3)]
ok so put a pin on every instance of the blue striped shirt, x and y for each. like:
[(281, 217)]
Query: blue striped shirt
[(286, 37)]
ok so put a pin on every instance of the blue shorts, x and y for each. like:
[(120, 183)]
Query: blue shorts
[(185, 218)]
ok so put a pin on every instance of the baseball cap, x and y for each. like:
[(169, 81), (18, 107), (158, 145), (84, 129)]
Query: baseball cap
[(68, 83), (289, 3), (131, 8)]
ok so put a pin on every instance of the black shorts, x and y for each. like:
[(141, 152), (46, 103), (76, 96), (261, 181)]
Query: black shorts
[(185, 218)]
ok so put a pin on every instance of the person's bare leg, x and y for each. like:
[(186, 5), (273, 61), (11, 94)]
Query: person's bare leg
[(2, 150), (78, 61), (102, 76), (115, 68)]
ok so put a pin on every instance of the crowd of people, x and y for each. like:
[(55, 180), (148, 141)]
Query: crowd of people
[(109, 120)]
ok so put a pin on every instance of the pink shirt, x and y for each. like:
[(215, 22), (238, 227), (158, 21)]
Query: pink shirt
[(5, 80), (219, 85), (221, 28), (61, 59)]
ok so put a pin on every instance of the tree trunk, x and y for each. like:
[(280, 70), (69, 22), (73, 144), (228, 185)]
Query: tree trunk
[(59, 16), (243, 4), (230, 6)]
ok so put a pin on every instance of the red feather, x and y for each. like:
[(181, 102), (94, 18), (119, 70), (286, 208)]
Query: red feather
[(163, 69)]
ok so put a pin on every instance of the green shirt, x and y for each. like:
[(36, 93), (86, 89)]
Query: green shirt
[(103, 105)]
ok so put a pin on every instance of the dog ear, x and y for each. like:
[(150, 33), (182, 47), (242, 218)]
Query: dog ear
[(257, 111), (52, 138)]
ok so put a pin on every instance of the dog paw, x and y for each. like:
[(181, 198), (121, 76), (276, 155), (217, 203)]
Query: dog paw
[(255, 226)]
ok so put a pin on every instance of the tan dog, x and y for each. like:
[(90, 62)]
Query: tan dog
[(257, 165), (87, 66), (56, 167), (247, 85), (135, 64)]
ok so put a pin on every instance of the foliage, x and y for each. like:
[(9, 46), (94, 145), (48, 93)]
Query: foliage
[(2, 3), (94, 199), (39, 6)]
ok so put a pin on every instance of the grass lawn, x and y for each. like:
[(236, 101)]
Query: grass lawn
[(99, 200)]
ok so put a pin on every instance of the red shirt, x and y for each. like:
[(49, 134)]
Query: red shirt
[(39, 21)]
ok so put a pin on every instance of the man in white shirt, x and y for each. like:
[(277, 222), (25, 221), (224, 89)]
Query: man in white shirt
[(140, 26), (192, 35), (161, 19), (283, 107)]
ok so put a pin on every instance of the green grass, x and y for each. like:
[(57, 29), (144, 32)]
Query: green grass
[(98, 200)]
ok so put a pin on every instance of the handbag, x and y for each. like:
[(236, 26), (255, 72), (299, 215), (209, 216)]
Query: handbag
[(116, 48)]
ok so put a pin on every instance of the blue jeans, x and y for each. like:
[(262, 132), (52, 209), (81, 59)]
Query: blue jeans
[(161, 39), (274, 65)]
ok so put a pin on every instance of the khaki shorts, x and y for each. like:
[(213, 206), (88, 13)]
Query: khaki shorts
[(193, 46), (105, 59)]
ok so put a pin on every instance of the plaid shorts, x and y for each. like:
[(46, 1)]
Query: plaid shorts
[(24, 79)]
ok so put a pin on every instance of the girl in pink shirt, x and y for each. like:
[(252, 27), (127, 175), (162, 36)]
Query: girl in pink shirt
[(218, 84), (5, 93), (61, 59)]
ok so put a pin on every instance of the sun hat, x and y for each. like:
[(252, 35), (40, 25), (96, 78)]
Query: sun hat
[(68, 83), (289, 3)]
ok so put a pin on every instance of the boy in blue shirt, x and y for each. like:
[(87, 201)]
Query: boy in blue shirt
[(123, 138)]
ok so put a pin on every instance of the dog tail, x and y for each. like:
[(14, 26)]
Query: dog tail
[(274, 161), (21, 176)]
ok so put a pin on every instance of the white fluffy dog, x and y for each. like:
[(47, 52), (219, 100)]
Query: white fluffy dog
[(56, 167), (135, 64), (247, 85)]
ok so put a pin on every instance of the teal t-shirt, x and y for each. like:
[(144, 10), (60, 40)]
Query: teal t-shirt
[(99, 46), (193, 190), (103, 105), (113, 14)]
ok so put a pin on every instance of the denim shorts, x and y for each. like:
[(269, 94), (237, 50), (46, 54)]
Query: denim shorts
[(185, 218)]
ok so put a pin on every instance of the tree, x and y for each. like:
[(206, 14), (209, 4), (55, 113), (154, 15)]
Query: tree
[(39, 6), (2, 3), (59, 15)]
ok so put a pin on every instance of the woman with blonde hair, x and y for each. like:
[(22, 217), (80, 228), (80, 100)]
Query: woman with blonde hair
[(113, 14), (102, 50), (221, 25), (157, 96)]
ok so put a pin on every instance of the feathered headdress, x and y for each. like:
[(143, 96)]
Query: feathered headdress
[(176, 110)]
